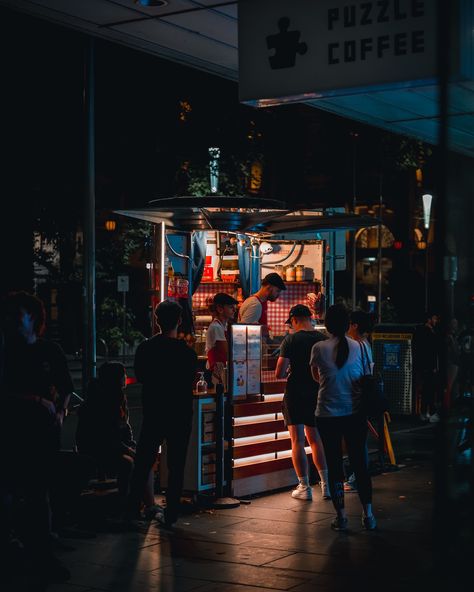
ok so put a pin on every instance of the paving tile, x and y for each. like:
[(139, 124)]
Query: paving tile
[(218, 587), (277, 527), (300, 513), (232, 573), (67, 587), (235, 537), (124, 579), (213, 551)]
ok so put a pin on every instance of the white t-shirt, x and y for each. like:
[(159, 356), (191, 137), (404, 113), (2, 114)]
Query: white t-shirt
[(337, 395), (250, 311), (215, 332)]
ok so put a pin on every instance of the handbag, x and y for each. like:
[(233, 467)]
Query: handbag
[(371, 388)]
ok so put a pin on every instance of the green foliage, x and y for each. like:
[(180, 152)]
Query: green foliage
[(116, 249), (407, 153), (110, 326), (234, 176)]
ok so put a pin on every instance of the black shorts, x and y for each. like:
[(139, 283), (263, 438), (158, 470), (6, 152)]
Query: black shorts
[(299, 410)]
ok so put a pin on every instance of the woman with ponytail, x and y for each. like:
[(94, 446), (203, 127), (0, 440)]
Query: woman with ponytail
[(338, 366)]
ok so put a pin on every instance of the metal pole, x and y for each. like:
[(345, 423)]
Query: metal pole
[(124, 321), (89, 355), (332, 264), (379, 256), (353, 234), (426, 270)]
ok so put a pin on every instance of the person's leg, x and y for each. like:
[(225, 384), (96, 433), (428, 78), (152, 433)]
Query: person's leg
[(427, 394), (177, 445), (318, 456), (331, 435), (298, 453), (149, 495), (124, 473), (355, 435), (150, 440)]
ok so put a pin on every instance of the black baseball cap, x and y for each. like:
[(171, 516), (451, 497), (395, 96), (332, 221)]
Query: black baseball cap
[(299, 310), (222, 299), (274, 280)]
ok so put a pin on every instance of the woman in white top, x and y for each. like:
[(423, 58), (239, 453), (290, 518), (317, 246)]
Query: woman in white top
[(337, 365)]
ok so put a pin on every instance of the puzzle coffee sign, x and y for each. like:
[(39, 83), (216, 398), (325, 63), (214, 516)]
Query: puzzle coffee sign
[(293, 50)]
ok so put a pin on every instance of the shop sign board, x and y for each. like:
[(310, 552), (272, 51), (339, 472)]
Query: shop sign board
[(307, 49), (122, 283)]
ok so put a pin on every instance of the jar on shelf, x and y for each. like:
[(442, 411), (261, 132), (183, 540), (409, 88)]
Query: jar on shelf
[(280, 271), (290, 273), (299, 273)]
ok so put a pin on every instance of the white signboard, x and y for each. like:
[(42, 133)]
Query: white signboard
[(304, 49), (122, 283)]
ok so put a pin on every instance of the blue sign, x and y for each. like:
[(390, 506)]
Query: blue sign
[(391, 356)]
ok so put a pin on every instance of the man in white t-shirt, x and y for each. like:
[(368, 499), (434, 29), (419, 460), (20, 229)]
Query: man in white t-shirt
[(254, 308), (223, 310)]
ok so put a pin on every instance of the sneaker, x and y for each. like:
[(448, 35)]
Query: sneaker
[(152, 512), (350, 486), (425, 416), (434, 418), (369, 522), (325, 490), (339, 523), (302, 492)]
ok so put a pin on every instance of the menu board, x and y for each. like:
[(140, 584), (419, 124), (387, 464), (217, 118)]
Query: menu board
[(253, 377), (239, 342), (239, 378), (245, 360), (254, 342)]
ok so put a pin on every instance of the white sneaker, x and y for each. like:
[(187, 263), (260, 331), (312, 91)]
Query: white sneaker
[(425, 416), (302, 492), (325, 490), (434, 418)]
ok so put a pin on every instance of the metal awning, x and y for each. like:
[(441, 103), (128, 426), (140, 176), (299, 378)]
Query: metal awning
[(251, 215)]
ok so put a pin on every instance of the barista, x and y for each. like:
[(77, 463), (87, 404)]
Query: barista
[(223, 309), (254, 309)]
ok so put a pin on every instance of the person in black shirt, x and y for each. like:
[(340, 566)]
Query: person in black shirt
[(166, 367), (427, 364), (35, 387), (299, 402)]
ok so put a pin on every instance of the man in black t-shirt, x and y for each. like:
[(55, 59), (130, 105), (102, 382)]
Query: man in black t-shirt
[(166, 367), (299, 402)]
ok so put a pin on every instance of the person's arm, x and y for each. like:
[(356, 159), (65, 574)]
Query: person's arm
[(139, 363), (313, 362), (251, 311), (281, 368)]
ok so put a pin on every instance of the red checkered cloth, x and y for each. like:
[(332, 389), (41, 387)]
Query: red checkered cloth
[(207, 290), (203, 296), (278, 311)]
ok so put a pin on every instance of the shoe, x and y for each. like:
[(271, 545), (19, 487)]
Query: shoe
[(434, 418), (369, 522), (302, 492), (165, 520), (350, 486), (424, 416), (325, 490), (339, 523), (152, 512)]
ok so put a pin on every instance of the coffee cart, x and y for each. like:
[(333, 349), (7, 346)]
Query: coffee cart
[(221, 244)]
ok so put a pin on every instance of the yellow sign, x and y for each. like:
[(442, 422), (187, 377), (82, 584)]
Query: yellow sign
[(393, 336)]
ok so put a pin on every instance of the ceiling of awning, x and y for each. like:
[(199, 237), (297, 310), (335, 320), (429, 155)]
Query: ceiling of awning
[(248, 215), (207, 40)]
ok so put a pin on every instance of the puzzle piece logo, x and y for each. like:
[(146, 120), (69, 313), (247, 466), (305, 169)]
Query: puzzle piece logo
[(286, 45)]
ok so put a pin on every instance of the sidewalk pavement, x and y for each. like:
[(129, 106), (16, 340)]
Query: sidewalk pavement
[(277, 543)]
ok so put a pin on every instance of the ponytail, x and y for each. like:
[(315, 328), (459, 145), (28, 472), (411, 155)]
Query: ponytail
[(342, 351), (337, 323)]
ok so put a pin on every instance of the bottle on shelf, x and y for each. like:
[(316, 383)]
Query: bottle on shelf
[(201, 385)]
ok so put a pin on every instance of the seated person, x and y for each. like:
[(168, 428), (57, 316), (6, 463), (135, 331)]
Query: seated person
[(104, 431)]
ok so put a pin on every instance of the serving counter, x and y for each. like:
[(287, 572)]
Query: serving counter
[(257, 450)]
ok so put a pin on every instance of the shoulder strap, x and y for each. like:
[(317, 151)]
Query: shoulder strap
[(364, 356)]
